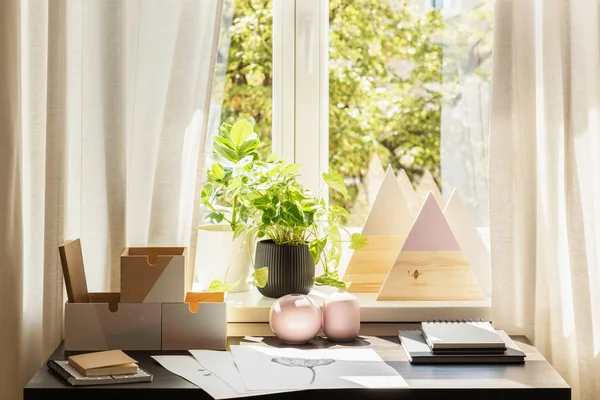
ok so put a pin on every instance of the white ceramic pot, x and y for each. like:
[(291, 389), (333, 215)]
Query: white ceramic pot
[(215, 250)]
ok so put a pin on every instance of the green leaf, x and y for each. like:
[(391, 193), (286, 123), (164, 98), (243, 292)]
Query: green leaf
[(240, 131), (224, 129), (234, 184), (358, 240), (207, 189), (225, 152), (260, 277), (336, 182), (261, 203), (275, 169), (272, 158), (224, 141), (342, 213), (246, 160), (249, 145), (218, 286), (291, 169), (265, 219), (316, 247), (334, 234), (218, 171), (292, 212), (309, 217), (215, 217), (331, 279)]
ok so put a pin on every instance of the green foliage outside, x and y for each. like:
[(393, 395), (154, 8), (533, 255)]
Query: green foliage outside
[(385, 74)]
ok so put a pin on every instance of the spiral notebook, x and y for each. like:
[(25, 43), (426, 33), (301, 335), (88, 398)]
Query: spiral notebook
[(462, 335), (418, 352), (74, 378)]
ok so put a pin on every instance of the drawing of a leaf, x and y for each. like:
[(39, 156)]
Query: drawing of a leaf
[(303, 362), (318, 363), (290, 361)]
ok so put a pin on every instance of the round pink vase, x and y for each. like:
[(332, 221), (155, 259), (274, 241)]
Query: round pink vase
[(341, 317), (295, 318)]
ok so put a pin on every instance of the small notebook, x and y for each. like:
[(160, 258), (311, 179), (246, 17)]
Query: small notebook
[(102, 363), (418, 352), (462, 335), (74, 378)]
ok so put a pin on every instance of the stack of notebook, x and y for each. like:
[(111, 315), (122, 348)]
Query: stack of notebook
[(458, 342), (99, 368)]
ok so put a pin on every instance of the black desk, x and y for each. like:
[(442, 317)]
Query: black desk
[(536, 379)]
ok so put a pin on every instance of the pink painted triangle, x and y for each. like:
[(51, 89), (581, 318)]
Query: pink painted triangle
[(430, 231)]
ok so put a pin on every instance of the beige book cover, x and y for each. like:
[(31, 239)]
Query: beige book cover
[(97, 363)]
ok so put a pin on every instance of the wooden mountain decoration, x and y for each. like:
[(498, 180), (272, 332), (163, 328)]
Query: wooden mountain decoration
[(367, 192), (374, 177), (470, 241), (431, 264), (427, 185), (412, 198), (386, 228)]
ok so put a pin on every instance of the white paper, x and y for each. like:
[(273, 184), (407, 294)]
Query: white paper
[(267, 368), (221, 364), (191, 370)]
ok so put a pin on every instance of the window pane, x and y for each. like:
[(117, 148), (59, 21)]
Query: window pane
[(243, 81), (409, 82), (242, 86)]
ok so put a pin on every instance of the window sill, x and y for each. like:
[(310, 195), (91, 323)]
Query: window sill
[(252, 307)]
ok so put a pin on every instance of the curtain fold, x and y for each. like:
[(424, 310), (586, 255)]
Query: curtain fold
[(104, 109), (11, 222), (544, 187)]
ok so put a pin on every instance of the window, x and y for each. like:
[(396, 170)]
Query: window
[(243, 85), (333, 83)]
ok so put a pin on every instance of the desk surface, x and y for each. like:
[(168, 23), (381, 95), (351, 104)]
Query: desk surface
[(536, 379)]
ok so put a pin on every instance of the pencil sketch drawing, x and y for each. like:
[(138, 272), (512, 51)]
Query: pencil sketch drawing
[(303, 362)]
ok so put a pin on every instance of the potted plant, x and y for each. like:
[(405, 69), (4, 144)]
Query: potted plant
[(295, 228), (224, 261)]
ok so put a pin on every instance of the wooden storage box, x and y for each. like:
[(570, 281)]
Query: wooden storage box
[(153, 275), (200, 323), (107, 324)]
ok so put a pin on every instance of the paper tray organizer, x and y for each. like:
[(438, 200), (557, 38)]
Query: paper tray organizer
[(103, 321)]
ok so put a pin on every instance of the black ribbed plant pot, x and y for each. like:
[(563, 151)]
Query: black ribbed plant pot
[(291, 268)]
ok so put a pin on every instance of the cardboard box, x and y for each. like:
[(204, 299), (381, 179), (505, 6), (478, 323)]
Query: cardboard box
[(200, 323), (153, 275), (106, 324)]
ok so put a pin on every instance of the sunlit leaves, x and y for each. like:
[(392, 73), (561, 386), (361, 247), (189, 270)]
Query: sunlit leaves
[(218, 171), (336, 182), (240, 131), (260, 277), (358, 241)]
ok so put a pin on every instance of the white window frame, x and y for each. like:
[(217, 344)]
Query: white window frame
[(300, 134), (300, 75)]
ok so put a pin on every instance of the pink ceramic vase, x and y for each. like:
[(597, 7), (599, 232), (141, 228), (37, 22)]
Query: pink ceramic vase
[(295, 318), (341, 317)]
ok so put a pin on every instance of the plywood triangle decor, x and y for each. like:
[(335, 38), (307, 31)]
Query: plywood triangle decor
[(412, 198), (386, 228), (427, 185), (390, 214), (367, 192), (470, 241), (431, 264), (374, 177)]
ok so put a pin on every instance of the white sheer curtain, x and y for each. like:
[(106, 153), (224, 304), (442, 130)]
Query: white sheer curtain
[(103, 106), (544, 181)]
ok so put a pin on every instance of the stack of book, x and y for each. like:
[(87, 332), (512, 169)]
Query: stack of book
[(459, 342), (99, 368)]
